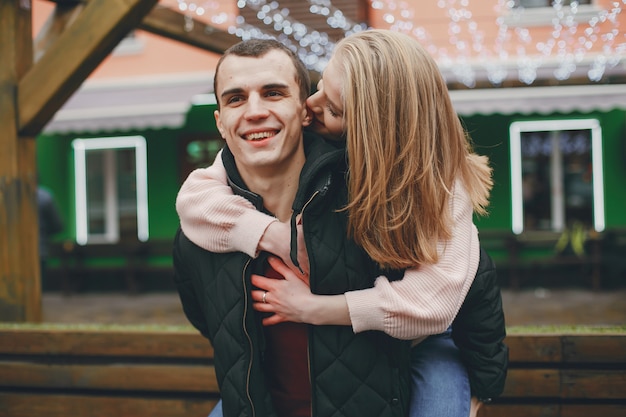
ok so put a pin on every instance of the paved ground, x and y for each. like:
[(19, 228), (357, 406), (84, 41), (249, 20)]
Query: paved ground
[(525, 307)]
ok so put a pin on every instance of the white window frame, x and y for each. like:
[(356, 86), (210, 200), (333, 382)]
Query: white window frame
[(111, 234), (130, 45), (517, 203), (544, 16)]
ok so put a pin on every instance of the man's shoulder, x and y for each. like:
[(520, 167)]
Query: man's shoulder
[(312, 138), (183, 244), (186, 250), (321, 152)]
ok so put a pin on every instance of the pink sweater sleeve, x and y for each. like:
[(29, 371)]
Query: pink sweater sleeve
[(215, 219), (428, 298), (424, 302)]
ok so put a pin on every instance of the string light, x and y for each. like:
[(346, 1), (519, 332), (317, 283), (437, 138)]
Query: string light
[(573, 44)]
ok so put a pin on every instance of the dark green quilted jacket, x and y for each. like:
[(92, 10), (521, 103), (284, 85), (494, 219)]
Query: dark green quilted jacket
[(360, 375), (479, 331)]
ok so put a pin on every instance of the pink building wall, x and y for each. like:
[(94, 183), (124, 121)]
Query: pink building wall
[(479, 37), (157, 55)]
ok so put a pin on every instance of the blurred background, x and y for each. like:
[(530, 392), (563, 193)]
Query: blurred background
[(539, 85)]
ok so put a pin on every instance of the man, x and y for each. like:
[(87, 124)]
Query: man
[(289, 369), (50, 224)]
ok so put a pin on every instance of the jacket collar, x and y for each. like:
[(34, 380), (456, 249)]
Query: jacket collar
[(322, 159), (319, 155)]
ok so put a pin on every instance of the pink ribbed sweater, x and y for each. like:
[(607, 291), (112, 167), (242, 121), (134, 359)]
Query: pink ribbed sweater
[(424, 302)]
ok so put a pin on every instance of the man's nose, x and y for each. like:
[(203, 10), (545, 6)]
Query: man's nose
[(256, 107)]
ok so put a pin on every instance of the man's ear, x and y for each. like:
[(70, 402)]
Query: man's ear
[(308, 118), (218, 123)]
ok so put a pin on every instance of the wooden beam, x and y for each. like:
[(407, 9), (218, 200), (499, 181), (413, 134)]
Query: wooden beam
[(77, 52), (63, 15), (169, 23), (20, 289), (74, 41)]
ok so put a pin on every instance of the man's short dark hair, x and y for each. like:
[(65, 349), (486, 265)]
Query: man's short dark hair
[(256, 48)]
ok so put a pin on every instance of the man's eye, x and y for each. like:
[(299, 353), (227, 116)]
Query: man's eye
[(234, 99), (275, 93)]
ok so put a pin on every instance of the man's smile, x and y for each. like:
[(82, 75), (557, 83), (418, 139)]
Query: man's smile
[(260, 135)]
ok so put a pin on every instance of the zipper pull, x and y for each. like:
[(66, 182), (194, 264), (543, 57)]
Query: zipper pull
[(293, 253)]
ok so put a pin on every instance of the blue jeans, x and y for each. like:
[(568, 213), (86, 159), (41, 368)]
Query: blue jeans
[(439, 381), (217, 410)]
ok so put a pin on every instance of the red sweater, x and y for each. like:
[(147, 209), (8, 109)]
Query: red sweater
[(287, 366)]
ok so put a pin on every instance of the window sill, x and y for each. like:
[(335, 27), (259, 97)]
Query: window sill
[(544, 16), (129, 46)]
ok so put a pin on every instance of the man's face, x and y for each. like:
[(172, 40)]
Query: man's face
[(261, 116)]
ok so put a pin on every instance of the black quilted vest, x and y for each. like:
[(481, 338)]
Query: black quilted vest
[(360, 375)]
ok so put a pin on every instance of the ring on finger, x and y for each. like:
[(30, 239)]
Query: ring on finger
[(264, 295)]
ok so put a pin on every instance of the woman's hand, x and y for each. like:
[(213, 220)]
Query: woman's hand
[(276, 240), (290, 299), (286, 298), (474, 407)]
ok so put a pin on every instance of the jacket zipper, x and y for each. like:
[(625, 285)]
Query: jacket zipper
[(308, 345), (245, 330), (308, 358)]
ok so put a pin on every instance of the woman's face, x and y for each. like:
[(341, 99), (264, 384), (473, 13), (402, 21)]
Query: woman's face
[(326, 104)]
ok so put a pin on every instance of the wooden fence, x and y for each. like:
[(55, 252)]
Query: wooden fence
[(157, 372)]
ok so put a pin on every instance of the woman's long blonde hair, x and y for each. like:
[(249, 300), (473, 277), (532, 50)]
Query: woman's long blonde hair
[(406, 148)]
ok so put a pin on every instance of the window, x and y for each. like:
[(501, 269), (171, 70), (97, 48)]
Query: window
[(197, 150), (527, 13), (556, 175), (111, 189), (130, 45), (547, 3)]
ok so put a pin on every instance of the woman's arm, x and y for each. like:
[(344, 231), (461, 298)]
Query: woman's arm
[(428, 298), (215, 219), (424, 302)]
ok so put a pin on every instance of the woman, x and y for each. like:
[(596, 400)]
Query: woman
[(413, 185)]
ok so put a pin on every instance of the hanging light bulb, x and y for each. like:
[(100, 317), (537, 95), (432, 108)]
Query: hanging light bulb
[(575, 43)]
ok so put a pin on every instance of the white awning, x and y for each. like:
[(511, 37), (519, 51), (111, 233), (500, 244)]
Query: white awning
[(124, 104), (164, 101), (541, 100)]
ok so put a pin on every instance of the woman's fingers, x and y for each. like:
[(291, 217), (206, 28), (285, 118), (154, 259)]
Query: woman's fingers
[(283, 299), (262, 304), (273, 319), (279, 266), (284, 270), (263, 283)]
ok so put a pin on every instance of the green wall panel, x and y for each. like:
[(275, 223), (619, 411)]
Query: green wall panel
[(489, 133), (491, 137), (163, 183)]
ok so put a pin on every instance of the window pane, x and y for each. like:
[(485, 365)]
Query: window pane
[(127, 192), (536, 180), (111, 189), (557, 173), (95, 192), (546, 3), (577, 176)]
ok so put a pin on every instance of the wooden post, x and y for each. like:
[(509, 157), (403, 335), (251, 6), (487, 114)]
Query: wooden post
[(78, 37), (29, 97), (20, 286)]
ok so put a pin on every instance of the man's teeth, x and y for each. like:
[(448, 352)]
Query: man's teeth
[(259, 135)]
